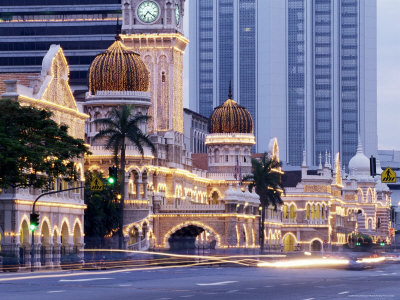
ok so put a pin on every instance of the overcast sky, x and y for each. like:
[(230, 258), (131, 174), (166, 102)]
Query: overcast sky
[(389, 74)]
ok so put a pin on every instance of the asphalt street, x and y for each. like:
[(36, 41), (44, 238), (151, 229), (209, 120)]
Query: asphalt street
[(205, 283)]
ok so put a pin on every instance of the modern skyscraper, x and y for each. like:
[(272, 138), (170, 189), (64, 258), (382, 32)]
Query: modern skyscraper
[(331, 78), (83, 28), (305, 69)]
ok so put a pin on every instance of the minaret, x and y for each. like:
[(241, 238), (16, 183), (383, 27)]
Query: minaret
[(154, 29)]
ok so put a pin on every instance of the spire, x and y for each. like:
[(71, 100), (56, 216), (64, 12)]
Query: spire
[(359, 146), (117, 31), (304, 164), (320, 161), (326, 158), (230, 90), (329, 160)]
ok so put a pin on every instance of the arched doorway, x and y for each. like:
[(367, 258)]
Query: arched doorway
[(64, 239), (24, 243), (145, 230), (77, 238), (133, 236), (214, 198), (45, 241), (316, 246), (289, 243), (184, 238)]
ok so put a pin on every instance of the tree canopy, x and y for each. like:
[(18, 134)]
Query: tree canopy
[(102, 213), (34, 149), (266, 179), (120, 128)]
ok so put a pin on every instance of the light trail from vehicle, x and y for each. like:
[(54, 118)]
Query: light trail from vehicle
[(305, 263), (371, 260)]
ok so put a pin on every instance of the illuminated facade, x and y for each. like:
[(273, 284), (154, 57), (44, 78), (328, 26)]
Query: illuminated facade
[(60, 230), (170, 195)]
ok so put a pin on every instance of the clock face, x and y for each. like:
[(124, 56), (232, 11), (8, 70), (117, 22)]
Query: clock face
[(148, 11), (177, 14)]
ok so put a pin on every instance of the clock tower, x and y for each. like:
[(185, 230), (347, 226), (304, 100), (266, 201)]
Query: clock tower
[(154, 29)]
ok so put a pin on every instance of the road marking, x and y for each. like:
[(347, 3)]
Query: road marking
[(60, 291), (268, 286), (342, 293), (394, 273), (232, 291), (309, 299), (84, 279), (216, 283), (250, 288), (380, 271), (125, 285), (186, 296), (285, 284), (164, 298)]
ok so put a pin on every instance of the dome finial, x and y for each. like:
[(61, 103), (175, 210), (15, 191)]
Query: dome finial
[(359, 145), (230, 90), (117, 31)]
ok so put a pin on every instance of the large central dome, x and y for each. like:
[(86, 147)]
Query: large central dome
[(230, 117), (118, 69)]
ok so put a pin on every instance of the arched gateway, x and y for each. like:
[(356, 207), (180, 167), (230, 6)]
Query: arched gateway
[(190, 235)]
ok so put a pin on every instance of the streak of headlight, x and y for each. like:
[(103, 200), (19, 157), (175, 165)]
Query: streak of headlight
[(371, 259), (296, 263), (40, 276)]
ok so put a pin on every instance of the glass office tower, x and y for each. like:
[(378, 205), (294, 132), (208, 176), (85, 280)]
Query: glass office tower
[(83, 28), (331, 78)]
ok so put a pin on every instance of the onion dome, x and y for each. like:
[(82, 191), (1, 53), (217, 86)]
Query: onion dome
[(230, 117), (359, 163), (118, 69)]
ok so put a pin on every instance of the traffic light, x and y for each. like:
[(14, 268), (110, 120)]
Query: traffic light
[(112, 175), (372, 166), (382, 244), (34, 222), (358, 244)]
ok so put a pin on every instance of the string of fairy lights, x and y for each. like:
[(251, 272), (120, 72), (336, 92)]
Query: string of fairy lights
[(230, 117), (118, 69)]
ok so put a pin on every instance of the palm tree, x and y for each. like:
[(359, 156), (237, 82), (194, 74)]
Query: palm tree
[(122, 127), (266, 178)]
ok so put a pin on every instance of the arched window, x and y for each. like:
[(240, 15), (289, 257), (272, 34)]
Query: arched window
[(216, 156), (323, 212), (292, 212), (308, 212), (318, 212), (313, 212), (214, 198), (285, 212)]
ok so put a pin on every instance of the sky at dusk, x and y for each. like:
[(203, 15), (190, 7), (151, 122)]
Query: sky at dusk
[(388, 74)]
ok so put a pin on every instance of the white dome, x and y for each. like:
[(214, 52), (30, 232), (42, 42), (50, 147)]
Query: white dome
[(359, 163)]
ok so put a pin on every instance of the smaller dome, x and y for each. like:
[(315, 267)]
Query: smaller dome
[(359, 163), (230, 117), (118, 69)]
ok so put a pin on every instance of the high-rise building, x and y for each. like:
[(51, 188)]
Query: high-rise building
[(331, 78), (305, 69), (226, 46), (83, 28)]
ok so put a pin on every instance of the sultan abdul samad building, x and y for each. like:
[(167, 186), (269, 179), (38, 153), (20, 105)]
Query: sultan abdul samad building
[(172, 195)]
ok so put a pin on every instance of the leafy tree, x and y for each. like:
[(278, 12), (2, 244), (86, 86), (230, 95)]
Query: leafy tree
[(33, 148), (120, 128), (266, 178), (102, 213)]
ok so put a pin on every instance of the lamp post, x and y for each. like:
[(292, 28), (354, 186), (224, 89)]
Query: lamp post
[(33, 213)]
